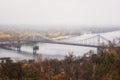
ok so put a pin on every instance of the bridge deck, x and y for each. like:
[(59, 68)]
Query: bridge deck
[(57, 42), (69, 43)]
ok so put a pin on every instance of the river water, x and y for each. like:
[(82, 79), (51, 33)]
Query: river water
[(46, 50), (54, 50)]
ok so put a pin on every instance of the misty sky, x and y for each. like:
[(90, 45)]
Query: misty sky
[(60, 12)]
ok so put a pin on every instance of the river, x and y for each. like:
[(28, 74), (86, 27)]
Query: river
[(54, 50)]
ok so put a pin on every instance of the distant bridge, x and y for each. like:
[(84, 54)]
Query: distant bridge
[(96, 41)]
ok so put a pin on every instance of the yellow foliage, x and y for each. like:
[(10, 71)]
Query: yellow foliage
[(4, 36), (60, 76), (54, 34), (112, 51)]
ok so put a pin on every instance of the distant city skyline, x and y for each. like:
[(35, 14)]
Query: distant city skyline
[(54, 13)]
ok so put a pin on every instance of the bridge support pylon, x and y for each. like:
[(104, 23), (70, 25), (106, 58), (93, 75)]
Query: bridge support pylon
[(98, 50), (18, 46), (35, 48)]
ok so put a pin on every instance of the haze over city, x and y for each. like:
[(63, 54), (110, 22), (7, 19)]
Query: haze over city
[(66, 13)]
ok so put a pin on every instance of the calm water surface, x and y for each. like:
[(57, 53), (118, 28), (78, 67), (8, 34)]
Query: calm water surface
[(47, 50)]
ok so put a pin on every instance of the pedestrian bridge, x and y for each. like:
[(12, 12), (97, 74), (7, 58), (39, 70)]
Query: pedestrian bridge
[(96, 41)]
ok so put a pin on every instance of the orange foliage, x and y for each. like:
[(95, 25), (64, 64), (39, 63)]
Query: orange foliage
[(4, 36), (60, 76)]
